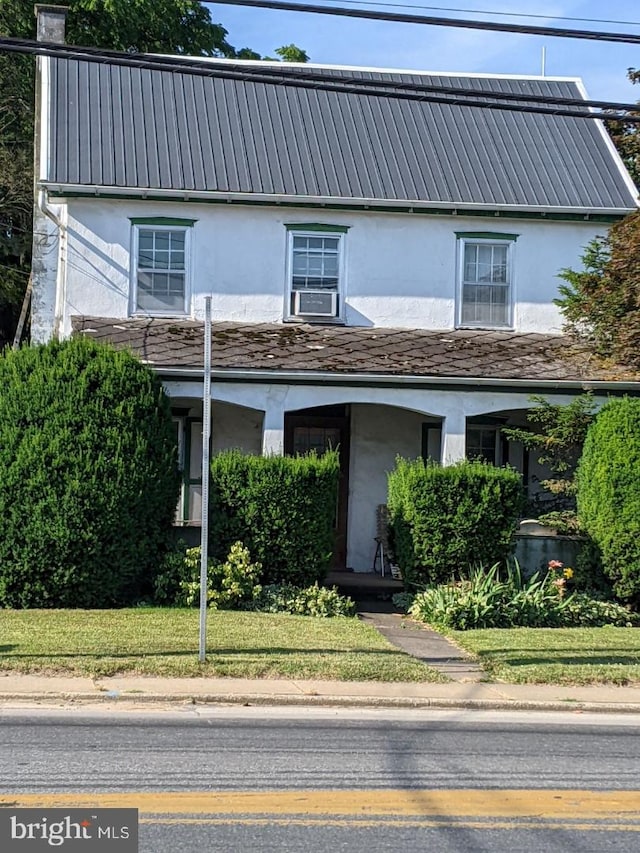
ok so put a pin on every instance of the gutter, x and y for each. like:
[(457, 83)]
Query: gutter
[(406, 205), (300, 377)]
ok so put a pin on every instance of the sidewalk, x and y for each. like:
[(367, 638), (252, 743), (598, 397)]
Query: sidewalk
[(27, 690)]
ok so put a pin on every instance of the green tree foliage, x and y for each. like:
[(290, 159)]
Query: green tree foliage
[(282, 508), (445, 520), (556, 433), (88, 476), (626, 136), (147, 26), (609, 494), (601, 303)]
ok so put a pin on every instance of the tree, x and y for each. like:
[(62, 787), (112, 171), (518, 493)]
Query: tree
[(146, 26), (609, 494), (601, 303), (626, 136), (557, 434), (88, 476)]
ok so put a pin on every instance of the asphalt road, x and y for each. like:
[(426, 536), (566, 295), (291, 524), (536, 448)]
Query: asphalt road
[(216, 779)]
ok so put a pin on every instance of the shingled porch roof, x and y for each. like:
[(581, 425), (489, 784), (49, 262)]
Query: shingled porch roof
[(344, 351)]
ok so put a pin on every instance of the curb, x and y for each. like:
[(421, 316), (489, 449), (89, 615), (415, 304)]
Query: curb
[(394, 702)]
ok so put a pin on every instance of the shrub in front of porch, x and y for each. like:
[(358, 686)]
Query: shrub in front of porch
[(281, 507), (445, 520)]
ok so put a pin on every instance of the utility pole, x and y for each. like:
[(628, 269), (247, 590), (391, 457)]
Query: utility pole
[(206, 436)]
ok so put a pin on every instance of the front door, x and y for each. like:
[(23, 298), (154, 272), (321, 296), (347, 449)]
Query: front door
[(321, 429)]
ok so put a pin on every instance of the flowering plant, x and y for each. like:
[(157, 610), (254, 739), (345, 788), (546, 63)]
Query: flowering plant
[(558, 575)]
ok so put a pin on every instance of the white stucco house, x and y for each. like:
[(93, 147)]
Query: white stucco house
[(382, 263)]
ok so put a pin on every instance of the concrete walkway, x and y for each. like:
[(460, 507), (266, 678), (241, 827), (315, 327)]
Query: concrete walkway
[(424, 643)]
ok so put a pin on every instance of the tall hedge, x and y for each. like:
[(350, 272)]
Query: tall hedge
[(443, 520), (88, 475), (608, 482), (281, 508)]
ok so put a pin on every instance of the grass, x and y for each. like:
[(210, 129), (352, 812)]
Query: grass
[(164, 642), (556, 655)]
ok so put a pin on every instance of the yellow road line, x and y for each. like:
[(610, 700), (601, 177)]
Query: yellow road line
[(469, 803), (394, 823)]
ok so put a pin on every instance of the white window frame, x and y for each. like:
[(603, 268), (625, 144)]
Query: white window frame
[(289, 313), (497, 444), (507, 242), (134, 309)]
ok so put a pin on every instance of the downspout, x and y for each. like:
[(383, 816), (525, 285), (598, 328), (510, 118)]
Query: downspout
[(61, 276)]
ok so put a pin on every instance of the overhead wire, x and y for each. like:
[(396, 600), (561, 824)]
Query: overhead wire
[(305, 78), (436, 21), (491, 12)]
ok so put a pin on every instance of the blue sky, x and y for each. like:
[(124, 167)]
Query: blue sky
[(339, 41)]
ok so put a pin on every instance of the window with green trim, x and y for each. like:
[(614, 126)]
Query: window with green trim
[(160, 273), (486, 280), (316, 272)]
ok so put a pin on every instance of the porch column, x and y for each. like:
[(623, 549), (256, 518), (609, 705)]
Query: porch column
[(273, 431), (454, 427)]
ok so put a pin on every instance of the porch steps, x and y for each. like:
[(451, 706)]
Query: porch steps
[(364, 586)]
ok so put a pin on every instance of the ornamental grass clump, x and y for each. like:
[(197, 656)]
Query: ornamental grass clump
[(504, 599)]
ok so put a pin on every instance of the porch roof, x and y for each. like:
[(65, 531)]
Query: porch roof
[(341, 350)]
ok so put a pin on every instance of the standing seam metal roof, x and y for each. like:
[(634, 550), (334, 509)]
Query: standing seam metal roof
[(123, 127)]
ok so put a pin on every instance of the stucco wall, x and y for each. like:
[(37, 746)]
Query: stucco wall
[(401, 269), (378, 435)]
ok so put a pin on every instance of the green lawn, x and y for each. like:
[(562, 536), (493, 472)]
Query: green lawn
[(556, 655), (163, 641)]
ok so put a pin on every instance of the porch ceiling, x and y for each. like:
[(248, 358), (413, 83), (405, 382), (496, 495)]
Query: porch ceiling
[(167, 344)]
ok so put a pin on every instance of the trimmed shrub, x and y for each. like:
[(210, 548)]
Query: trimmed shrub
[(281, 507), (609, 494), (88, 476), (444, 520)]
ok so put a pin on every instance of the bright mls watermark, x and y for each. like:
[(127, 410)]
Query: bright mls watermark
[(37, 830)]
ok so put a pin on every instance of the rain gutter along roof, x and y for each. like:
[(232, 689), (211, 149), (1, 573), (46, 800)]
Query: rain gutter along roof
[(57, 190), (300, 377)]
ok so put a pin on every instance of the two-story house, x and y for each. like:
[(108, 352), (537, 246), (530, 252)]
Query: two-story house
[(382, 267)]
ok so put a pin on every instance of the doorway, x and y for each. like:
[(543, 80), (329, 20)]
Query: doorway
[(324, 428)]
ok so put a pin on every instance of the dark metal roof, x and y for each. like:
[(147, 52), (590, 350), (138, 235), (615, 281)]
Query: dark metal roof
[(167, 344), (124, 127)]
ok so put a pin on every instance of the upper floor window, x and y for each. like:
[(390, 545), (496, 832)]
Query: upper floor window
[(160, 266), (316, 272), (486, 279)]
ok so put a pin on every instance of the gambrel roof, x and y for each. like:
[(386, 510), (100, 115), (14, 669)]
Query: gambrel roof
[(115, 129)]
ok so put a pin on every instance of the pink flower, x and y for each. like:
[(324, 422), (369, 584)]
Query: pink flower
[(555, 564)]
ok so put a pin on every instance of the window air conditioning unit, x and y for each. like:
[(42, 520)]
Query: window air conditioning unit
[(315, 303)]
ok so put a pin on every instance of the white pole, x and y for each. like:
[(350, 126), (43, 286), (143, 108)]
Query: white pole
[(206, 435)]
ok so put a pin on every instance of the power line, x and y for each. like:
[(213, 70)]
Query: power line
[(492, 12), (403, 18), (439, 89), (307, 79)]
